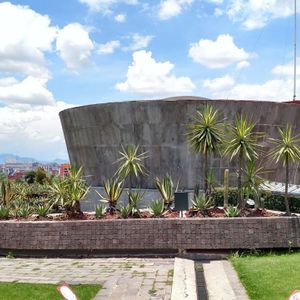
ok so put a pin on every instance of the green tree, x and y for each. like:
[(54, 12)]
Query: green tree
[(205, 135), (242, 143), (131, 164), (40, 175), (286, 149)]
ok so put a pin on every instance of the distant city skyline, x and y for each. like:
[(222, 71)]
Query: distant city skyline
[(60, 54)]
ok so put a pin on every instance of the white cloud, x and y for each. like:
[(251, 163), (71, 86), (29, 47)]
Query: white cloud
[(121, 18), (108, 47), (215, 1), (147, 77), (217, 54), (242, 65), (105, 6), (31, 90), (74, 45), (218, 12), (172, 8), (219, 84), (25, 35), (287, 69), (257, 13), (33, 131), (139, 42)]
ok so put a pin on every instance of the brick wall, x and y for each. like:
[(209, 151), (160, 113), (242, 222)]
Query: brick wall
[(151, 234)]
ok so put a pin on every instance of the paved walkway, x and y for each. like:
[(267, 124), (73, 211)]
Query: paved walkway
[(122, 278)]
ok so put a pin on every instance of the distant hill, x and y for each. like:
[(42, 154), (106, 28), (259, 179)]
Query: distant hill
[(5, 157)]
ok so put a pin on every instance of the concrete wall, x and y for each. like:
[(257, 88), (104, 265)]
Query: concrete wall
[(151, 234), (94, 135)]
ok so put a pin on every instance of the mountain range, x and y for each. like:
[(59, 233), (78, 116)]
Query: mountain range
[(8, 157)]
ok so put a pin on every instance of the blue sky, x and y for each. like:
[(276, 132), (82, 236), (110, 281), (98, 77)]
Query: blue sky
[(59, 54)]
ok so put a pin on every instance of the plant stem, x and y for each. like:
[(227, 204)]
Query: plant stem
[(240, 191), (206, 173), (286, 200)]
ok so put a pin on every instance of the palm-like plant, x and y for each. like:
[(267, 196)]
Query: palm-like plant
[(131, 164), (113, 189), (253, 181), (205, 135), (242, 143), (286, 150)]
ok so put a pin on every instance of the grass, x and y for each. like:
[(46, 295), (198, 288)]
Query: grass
[(269, 276), (21, 291)]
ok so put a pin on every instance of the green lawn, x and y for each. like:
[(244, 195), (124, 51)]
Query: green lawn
[(269, 277), (21, 291)]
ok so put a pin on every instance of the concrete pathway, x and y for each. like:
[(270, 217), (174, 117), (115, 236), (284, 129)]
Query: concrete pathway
[(222, 282), (122, 278)]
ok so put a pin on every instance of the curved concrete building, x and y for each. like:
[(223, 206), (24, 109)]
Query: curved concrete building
[(94, 135)]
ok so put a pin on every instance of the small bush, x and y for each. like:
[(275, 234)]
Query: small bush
[(4, 212), (232, 211), (157, 208), (42, 210), (201, 204), (126, 211), (24, 211)]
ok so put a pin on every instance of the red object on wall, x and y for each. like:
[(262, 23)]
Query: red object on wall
[(64, 170)]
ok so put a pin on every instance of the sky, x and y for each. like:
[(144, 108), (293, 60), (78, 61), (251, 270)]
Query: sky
[(59, 54)]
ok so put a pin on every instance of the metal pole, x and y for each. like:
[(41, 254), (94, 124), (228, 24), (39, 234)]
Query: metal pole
[(295, 49)]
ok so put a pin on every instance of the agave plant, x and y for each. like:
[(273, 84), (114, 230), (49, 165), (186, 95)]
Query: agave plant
[(126, 211), (165, 187), (24, 211), (232, 211), (131, 164), (286, 150), (113, 189), (242, 143), (156, 207), (202, 203), (135, 198), (100, 211), (70, 190), (43, 209), (205, 136)]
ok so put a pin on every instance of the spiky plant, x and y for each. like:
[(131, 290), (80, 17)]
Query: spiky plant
[(202, 204), (286, 150), (165, 187), (242, 144), (156, 207), (232, 211), (135, 198), (113, 189), (205, 135), (131, 164)]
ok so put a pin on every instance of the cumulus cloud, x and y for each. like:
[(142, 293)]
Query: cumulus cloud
[(147, 77), (139, 42), (120, 18), (74, 45), (219, 84), (242, 65), (31, 90), (287, 69), (108, 47), (25, 35), (172, 8), (256, 14), (219, 53)]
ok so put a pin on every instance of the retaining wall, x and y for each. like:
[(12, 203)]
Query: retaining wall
[(150, 235)]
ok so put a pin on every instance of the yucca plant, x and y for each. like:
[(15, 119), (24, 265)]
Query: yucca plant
[(242, 143), (232, 211), (100, 211), (165, 187), (24, 211), (69, 191), (253, 181), (156, 207), (126, 211), (113, 189), (131, 164), (205, 136), (286, 150), (4, 212), (202, 203), (135, 198)]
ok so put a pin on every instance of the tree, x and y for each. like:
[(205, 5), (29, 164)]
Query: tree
[(286, 150), (131, 164), (242, 143), (40, 175), (205, 136)]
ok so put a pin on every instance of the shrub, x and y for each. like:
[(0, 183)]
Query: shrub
[(100, 211), (4, 212), (42, 209), (24, 211), (157, 208), (232, 211), (126, 211)]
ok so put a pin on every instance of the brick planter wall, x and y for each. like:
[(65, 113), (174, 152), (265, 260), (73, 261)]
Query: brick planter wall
[(151, 234)]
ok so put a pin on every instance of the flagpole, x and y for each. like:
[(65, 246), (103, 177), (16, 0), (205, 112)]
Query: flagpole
[(295, 49)]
